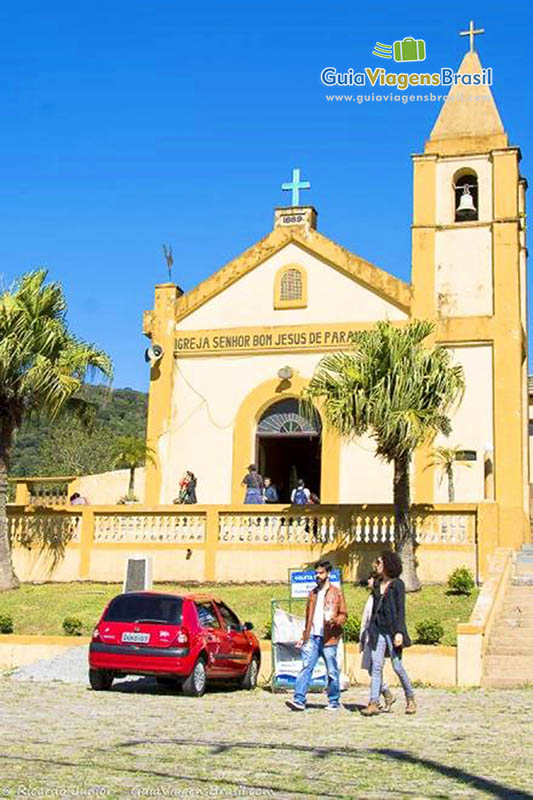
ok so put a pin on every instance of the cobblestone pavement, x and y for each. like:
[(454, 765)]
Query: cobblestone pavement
[(138, 740)]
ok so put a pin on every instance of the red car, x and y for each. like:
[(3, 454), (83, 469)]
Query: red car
[(179, 639)]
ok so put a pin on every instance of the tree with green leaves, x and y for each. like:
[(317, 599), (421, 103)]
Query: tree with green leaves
[(72, 447), (394, 387), (42, 369), (131, 452), (445, 458)]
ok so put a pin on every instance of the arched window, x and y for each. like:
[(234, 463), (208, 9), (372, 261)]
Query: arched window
[(465, 186), (290, 290), (285, 417), (291, 285)]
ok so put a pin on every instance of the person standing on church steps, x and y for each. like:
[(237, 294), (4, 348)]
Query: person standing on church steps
[(325, 616), (387, 632), (254, 485), (270, 493)]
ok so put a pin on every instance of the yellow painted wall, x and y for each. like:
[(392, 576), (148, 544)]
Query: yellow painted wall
[(472, 424), (233, 563)]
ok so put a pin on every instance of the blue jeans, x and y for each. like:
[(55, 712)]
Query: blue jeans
[(383, 644), (254, 496), (311, 652)]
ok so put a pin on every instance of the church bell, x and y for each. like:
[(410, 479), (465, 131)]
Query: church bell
[(466, 207)]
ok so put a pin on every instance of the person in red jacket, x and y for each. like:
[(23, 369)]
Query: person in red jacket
[(325, 616)]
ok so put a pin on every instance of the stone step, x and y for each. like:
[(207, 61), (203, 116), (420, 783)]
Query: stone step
[(524, 558), (522, 580), (513, 622), (523, 568), (512, 666), (506, 649), (512, 633), (491, 682), (517, 611), (525, 598), (522, 592)]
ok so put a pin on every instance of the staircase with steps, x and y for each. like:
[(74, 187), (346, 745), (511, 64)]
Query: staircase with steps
[(508, 661)]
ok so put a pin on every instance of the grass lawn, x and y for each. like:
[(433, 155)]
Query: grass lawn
[(41, 608)]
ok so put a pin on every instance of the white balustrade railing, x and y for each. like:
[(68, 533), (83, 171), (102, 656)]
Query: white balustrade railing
[(52, 530), (337, 525), (276, 528), (375, 527), (164, 528)]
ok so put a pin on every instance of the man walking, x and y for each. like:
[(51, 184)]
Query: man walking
[(325, 616)]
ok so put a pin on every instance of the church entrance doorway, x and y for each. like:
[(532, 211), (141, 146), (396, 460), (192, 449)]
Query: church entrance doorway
[(289, 448)]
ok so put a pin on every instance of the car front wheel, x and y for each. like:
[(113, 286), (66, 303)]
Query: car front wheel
[(194, 684), (249, 679), (100, 679)]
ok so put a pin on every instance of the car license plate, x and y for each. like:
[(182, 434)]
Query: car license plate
[(137, 638)]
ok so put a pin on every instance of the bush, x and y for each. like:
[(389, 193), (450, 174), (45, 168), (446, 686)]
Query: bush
[(352, 629), (461, 581), (72, 626), (429, 631), (6, 623), (267, 630)]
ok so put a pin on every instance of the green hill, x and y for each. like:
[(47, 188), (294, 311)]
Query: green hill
[(67, 447)]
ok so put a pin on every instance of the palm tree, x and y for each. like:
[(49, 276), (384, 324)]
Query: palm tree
[(42, 368), (398, 390), (445, 458), (131, 452)]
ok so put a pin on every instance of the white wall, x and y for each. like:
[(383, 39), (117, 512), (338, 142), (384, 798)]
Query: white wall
[(208, 394), (463, 272), (332, 297), (364, 478), (106, 488), (472, 425)]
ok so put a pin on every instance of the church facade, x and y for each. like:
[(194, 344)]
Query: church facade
[(236, 351)]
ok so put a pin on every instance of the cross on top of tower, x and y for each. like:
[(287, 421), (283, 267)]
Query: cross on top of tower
[(471, 32), (295, 187)]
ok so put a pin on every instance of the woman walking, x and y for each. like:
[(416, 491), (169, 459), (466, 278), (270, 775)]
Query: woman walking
[(387, 634), (364, 639)]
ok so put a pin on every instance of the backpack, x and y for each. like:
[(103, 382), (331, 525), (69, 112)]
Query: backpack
[(300, 498)]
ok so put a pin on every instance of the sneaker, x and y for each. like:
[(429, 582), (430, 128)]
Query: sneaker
[(389, 700), (329, 707), (410, 707), (294, 706), (371, 710)]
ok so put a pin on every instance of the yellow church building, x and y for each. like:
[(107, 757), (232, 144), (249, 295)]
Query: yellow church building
[(230, 357)]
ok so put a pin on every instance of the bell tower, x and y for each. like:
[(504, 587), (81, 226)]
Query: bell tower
[(469, 277)]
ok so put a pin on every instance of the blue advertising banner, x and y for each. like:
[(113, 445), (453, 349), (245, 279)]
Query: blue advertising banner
[(302, 581)]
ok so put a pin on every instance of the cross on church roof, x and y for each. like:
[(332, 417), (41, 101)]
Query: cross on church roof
[(295, 187), (471, 32)]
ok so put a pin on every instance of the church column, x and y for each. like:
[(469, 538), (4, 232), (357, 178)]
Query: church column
[(509, 416), (160, 327), (423, 281)]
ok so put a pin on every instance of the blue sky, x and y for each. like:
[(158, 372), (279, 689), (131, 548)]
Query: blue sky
[(126, 125)]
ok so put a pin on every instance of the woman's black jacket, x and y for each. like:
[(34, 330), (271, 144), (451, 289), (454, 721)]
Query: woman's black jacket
[(392, 614)]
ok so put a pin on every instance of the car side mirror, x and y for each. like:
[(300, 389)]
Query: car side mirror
[(248, 626)]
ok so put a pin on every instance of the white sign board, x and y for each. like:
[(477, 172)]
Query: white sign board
[(287, 629)]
